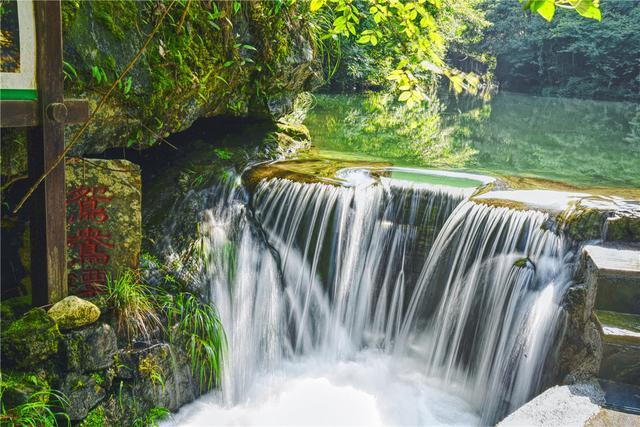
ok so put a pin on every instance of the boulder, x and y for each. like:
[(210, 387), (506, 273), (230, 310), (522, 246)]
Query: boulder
[(83, 393), (30, 340), (73, 312), (89, 349), (161, 375)]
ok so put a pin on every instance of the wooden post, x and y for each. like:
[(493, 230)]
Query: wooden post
[(46, 144)]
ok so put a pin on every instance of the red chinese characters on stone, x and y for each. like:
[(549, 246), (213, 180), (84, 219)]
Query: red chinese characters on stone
[(87, 200), (90, 244)]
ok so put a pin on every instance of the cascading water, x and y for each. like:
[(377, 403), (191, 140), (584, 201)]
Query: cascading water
[(494, 280), (464, 294)]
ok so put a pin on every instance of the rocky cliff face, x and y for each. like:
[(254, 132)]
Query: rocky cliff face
[(209, 58)]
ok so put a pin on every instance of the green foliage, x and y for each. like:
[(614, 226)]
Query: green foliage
[(149, 367), (39, 410), (570, 56), (547, 8), (134, 306), (152, 417), (404, 42), (196, 326)]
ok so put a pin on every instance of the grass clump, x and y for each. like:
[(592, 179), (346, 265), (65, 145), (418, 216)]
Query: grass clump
[(39, 410), (198, 329), (134, 306), (152, 417)]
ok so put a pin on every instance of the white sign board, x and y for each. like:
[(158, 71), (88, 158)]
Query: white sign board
[(17, 50)]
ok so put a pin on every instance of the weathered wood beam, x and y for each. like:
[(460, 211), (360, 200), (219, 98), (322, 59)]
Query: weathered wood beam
[(45, 144), (27, 113)]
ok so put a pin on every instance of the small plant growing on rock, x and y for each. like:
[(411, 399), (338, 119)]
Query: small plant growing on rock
[(39, 410), (134, 306), (196, 326)]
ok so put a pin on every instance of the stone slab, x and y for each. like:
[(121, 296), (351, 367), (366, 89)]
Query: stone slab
[(593, 404), (616, 272), (104, 220), (615, 260), (569, 406)]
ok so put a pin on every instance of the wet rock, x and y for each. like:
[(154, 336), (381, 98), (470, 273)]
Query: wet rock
[(161, 375), (83, 393), (580, 350), (296, 131), (90, 349), (30, 340), (73, 312)]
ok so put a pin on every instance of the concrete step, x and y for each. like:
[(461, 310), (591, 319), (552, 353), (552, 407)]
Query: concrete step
[(616, 270), (620, 346)]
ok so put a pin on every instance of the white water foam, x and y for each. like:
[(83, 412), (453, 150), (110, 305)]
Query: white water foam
[(372, 389)]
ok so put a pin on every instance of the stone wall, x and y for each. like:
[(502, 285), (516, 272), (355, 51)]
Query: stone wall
[(74, 348)]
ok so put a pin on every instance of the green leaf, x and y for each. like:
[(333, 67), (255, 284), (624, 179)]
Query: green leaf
[(127, 85), (587, 8), (404, 96), (316, 4), (364, 39), (547, 9)]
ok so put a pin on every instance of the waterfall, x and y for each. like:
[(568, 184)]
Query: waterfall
[(494, 280), (355, 246), (469, 290), (320, 268)]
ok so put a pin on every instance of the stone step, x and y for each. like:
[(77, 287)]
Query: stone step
[(616, 272), (621, 397), (619, 327), (620, 346)]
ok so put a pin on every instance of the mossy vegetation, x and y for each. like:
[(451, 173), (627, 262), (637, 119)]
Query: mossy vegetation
[(30, 340), (209, 58)]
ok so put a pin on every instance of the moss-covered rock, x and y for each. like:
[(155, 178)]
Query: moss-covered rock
[(624, 227), (12, 308), (89, 349), (207, 59), (73, 312), (30, 340), (18, 387), (83, 393), (582, 223)]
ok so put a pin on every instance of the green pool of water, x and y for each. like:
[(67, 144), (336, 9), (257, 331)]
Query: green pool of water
[(577, 142), (427, 178)]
